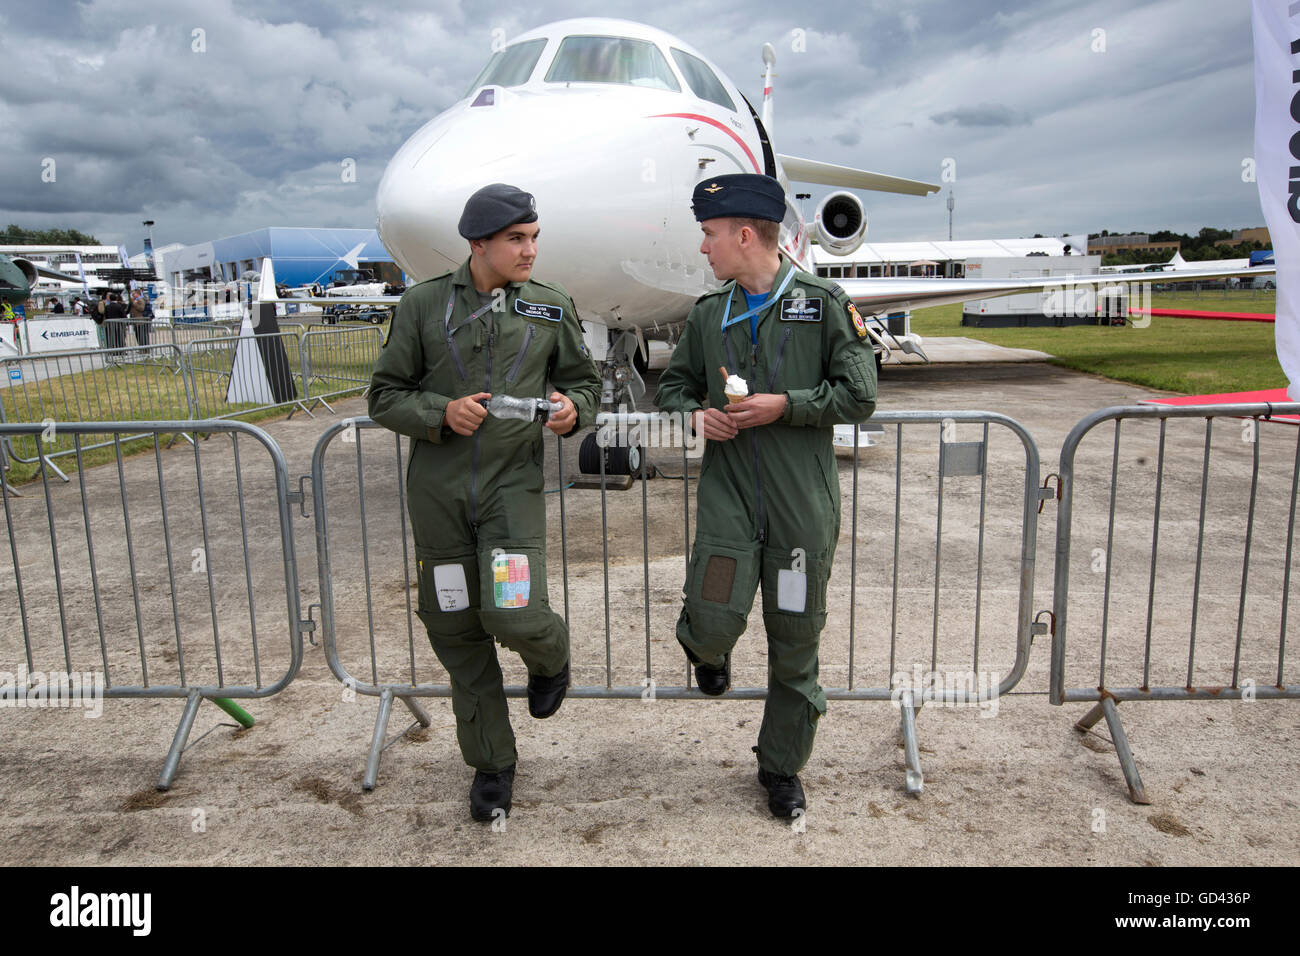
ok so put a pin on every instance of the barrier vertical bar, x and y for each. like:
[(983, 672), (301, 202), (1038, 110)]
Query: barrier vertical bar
[(90, 556), (1200, 542), (167, 544)]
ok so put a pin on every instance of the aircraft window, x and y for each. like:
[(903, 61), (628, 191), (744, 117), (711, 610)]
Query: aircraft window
[(611, 60), (511, 66), (701, 79)]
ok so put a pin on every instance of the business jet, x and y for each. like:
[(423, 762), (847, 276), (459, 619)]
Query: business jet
[(611, 124)]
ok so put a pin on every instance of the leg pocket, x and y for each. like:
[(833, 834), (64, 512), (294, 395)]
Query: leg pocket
[(722, 582), (513, 578), (795, 580), (447, 584), (464, 705)]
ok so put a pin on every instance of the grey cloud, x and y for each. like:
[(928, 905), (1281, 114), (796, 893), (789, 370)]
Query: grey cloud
[(986, 114)]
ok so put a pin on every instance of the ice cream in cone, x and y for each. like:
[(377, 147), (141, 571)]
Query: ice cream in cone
[(736, 389)]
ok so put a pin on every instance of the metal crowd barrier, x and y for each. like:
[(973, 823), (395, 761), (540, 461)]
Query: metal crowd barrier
[(145, 580), (1165, 614), (977, 607), (205, 382), (227, 384), (118, 332), (145, 383), (338, 361)]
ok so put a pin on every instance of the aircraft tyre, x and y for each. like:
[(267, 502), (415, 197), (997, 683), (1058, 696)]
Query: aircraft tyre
[(619, 459)]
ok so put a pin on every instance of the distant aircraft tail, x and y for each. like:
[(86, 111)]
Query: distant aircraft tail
[(769, 59)]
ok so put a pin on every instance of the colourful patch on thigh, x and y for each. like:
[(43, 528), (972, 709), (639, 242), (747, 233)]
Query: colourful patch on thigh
[(510, 580)]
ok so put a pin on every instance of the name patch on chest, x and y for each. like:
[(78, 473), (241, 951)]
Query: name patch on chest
[(552, 313), (801, 310)]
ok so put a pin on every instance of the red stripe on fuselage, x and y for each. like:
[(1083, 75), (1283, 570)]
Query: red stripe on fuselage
[(712, 122)]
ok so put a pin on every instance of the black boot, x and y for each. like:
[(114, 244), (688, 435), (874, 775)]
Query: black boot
[(491, 792), (545, 694), (784, 794), (714, 681), (711, 680)]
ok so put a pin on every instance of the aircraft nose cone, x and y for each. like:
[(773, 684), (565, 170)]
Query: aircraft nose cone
[(597, 170)]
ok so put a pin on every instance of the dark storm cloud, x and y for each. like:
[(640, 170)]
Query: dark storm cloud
[(252, 130), (986, 114)]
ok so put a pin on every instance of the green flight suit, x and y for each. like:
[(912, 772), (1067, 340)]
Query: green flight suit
[(471, 496), (769, 499)]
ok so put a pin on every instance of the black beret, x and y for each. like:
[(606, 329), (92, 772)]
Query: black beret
[(747, 195), (495, 207)]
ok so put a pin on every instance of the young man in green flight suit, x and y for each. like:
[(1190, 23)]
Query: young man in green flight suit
[(474, 485), (769, 495)]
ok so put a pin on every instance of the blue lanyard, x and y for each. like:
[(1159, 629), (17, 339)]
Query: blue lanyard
[(728, 322)]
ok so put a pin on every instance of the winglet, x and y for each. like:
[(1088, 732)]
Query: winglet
[(266, 286)]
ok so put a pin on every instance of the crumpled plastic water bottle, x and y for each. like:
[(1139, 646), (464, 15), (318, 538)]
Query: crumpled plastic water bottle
[(524, 409)]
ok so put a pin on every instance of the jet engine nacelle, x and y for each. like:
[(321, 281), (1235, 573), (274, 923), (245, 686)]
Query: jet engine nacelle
[(840, 223), (27, 270)]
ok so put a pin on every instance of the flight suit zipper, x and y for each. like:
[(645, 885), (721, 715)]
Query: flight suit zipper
[(519, 359), (759, 522), (473, 468), (780, 357), (451, 341)]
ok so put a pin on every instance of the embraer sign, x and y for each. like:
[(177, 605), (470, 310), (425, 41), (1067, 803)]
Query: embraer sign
[(61, 335)]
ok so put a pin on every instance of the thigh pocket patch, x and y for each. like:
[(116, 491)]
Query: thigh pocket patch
[(446, 584), (794, 581), (723, 577), (719, 579), (511, 580)]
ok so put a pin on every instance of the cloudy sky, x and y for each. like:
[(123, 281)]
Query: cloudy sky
[(222, 116)]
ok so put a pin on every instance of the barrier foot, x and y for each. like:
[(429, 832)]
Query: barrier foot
[(327, 405), (377, 742), (178, 742), (234, 710), (56, 468), (911, 749), (1107, 708), (417, 711)]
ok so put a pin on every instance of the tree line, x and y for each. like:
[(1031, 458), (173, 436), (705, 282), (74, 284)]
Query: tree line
[(15, 235), (1197, 248)]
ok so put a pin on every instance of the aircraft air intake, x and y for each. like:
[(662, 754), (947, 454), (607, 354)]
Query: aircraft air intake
[(840, 223)]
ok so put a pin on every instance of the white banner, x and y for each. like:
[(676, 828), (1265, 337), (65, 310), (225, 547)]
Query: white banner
[(8, 347), (60, 335), (1276, 25)]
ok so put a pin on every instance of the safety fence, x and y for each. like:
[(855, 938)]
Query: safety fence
[(931, 603), (338, 361), (1172, 579), (204, 372), (1156, 603), (156, 576), (147, 383)]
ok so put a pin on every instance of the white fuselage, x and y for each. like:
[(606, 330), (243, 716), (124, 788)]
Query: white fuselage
[(611, 163)]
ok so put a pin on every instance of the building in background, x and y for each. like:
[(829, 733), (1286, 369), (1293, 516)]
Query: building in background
[(300, 256), (944, 259)]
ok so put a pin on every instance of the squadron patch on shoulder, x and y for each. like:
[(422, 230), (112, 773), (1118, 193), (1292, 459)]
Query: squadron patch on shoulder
[(801, 309), (858, 324), (552, 313)]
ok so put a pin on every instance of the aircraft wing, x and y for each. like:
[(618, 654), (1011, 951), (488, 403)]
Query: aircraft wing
[(829, 174), (337, 300), (266, 293), (44, 272), (878, 296)]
